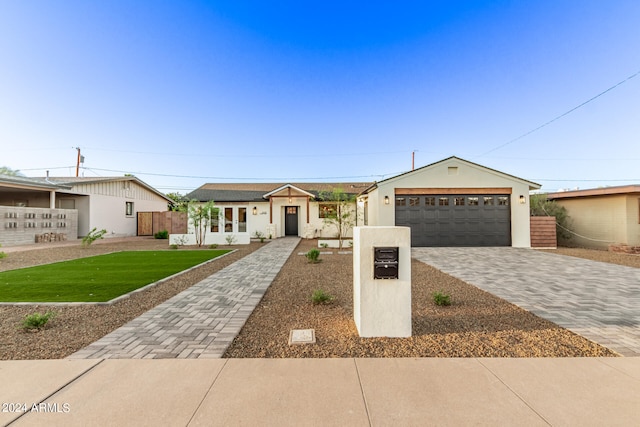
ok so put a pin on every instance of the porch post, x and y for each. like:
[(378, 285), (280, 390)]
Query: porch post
[(307, 209), (270, 209), (52, 199)]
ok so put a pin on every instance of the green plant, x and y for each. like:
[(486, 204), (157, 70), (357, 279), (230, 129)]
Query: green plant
[(213, 246), (162, 234), (37, 320), (541, 206), (440, 298), (321, 297), (2, 254), (313, 256), (201, 216), (340, 212), (173, 246), (92, 236), (180, 241), (231, 239), (324, 245), (259, 235)]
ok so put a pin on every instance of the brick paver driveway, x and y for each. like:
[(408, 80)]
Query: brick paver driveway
[(597, 300)]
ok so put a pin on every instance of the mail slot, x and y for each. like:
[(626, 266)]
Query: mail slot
[(385, 263)]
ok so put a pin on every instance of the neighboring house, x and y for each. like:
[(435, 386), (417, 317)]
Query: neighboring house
[(271, 209), (111, 203), (453, 202), (602, 216)]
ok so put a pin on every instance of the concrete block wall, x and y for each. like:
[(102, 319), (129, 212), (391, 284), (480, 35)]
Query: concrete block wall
[(21, 225)]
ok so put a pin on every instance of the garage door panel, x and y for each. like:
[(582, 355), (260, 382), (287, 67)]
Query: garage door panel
[(456, 220)]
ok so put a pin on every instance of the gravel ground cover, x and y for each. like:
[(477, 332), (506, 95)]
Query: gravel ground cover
[(75, 327), (477, 324)]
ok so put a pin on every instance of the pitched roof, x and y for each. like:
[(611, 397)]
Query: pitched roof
[(532, 185), (30, 183), (74, 180), (255, 192)]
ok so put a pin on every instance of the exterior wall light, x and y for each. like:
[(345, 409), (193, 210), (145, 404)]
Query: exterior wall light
[(386, 200), (255, 210), (522, 200)]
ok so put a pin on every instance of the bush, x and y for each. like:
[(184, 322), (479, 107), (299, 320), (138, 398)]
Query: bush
[(321, 297), (2, 254), (92, 236), (440, 298), (174, 246), (37, 320), (231, 239), (213, 246), (162, 234), (313, 256)]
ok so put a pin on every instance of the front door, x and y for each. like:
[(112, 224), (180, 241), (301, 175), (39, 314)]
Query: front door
[(291, 221)]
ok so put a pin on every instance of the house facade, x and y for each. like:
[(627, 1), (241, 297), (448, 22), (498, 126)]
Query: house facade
[(603, 216), (71, 207), (453, 202)]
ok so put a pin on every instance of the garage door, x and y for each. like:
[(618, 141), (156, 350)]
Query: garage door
[(456, 220)]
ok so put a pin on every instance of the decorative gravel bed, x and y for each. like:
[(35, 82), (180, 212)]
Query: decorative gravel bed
[(75, 327), (477, 324)]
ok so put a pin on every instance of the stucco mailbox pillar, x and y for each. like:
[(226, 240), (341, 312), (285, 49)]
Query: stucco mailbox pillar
[(382, 302)]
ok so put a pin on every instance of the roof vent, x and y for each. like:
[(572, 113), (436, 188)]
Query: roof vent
[(453, 170)]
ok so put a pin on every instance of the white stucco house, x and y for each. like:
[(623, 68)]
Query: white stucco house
[(452, 202), (72, 206)]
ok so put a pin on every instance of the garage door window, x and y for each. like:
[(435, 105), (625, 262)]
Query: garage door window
[(443, 201), (414, 201), (473, 201), (401, 201), (503, 201), (430, 201), (488, 200), (458, 201)]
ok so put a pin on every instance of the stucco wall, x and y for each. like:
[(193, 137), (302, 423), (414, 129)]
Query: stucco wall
[(602, 220), (465, 176)]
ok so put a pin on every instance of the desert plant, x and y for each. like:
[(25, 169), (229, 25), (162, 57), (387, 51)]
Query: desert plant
[(213, 246), (37, 320), (201, 216), (259, 235), (321, 297), (2, 254), (342, 215), (231, 239), (541, 206), (162, 234), (440, 298), (173, 246), (324, 245), (313, 256), (92, 236)]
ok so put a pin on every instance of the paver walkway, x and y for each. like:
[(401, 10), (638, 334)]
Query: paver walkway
[(201, 321), (597, 300)]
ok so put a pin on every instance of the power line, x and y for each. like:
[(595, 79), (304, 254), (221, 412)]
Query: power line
[(560, 116)]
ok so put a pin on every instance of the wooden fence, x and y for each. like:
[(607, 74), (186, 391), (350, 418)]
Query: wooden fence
[(149, 223), (543, 232)]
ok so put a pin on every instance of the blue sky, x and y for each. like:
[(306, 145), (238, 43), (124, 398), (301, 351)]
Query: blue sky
[(181, 93)]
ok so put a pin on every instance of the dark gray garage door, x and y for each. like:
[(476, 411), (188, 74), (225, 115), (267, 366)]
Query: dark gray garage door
[(456, 220)]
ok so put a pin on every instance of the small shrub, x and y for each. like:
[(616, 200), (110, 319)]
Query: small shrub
[(162, 234), (92, 236), (231, 239), (440, 298), (313, 256), (173, 246), (180, 241), (2, 254), (213, 246), (324, 245), (321, 297), (37, 320)]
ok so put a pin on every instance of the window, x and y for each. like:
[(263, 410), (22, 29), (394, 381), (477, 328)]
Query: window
[(215, 220), (326, 210), (414, 201), (503, 201), (228, 220), (443, 201), (129, 208), (473, 201), (242, 220), (458, 201), (430, 201), (488, 200), (401, 201)]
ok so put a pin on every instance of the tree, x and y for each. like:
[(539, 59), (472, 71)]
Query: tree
[(541, 206), (8, 171), (343, 216), (180, 204), (201, 216)]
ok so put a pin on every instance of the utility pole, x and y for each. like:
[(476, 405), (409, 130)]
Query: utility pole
[(78, 162), (413, 160)]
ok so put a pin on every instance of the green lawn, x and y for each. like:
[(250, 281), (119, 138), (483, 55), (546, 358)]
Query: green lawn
[(98, 278)]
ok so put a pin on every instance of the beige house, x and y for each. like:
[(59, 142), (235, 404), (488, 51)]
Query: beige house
[(453, 202), (603, 216), (71, 207)]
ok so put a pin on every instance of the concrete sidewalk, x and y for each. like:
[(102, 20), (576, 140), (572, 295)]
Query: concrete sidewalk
[(345, 392)]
